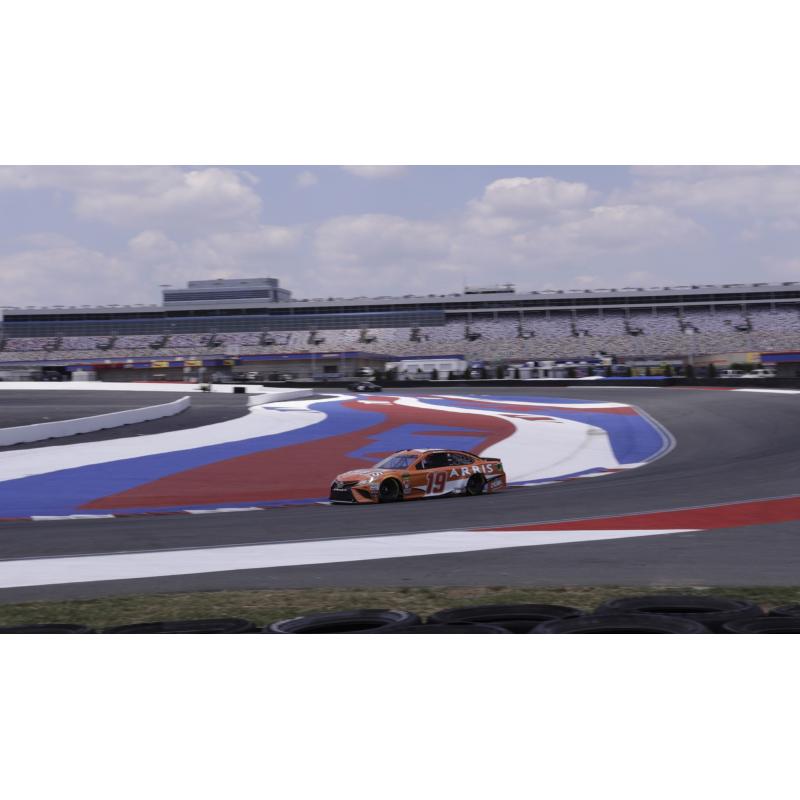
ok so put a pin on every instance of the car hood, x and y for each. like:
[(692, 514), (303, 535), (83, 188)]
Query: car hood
[(361, 474)]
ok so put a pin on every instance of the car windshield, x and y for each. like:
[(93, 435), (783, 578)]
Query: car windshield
[(396, 462)]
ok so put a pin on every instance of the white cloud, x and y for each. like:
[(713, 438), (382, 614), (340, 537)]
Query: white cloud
[(65, 273), (53, 270), (375, 172), (379, 253), (178, 225), (257, 241), (152, 245), (780, 269), (620, 227), (556, 242), (305, 179), (260, 251), (755, 192), (142, 197), (383, 236), (527, 197)]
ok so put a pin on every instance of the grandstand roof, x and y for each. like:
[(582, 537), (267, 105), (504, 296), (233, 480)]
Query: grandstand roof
[(453, 303)]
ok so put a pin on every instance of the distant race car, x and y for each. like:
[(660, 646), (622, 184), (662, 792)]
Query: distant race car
[(414, 474), (364, 386)]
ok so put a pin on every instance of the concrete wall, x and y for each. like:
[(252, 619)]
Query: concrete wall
[(69, 427), (279, 393)]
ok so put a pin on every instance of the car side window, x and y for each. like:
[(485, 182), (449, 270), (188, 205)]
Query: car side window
[(460, 460), (434, 460)]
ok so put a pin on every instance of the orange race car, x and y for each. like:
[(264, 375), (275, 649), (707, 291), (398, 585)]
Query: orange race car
[(414, 474)]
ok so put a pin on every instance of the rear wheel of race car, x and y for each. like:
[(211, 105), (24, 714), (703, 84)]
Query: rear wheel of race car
[(475, 485), (389, 491)]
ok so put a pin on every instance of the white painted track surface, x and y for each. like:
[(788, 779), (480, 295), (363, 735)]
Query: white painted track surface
[(543, 449), (731, 446), (126, 566), (258, 422)]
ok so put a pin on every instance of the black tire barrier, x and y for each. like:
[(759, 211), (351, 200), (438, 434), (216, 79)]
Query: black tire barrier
[(621, 623), (710, 611), (515, 618), (466, 627), (792, 610), (362, 620), (47, 627), (225, 625), (763, 625)]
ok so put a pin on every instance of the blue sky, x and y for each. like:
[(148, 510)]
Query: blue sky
[(76, 235)]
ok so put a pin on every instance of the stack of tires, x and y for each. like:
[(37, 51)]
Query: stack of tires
[(225, 625), (657, 613), (661, 613), (664, 613)]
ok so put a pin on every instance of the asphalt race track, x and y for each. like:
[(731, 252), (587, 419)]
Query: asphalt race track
[(19, 407), (730, 447)]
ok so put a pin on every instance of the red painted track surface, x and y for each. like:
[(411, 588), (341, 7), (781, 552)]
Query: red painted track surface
[(735, 452), (734, 515), (297, 472)]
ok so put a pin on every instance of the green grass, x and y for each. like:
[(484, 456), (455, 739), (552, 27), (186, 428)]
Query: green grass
[(268, 605)]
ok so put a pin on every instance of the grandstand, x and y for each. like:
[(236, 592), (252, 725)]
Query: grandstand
[(490, 324)]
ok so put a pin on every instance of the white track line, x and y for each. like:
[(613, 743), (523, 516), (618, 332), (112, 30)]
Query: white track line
[(162, 563)]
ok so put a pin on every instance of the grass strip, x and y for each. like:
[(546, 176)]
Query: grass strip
[(267, 605)]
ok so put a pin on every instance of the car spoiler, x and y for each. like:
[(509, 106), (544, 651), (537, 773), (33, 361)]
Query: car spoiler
[(483, 458)]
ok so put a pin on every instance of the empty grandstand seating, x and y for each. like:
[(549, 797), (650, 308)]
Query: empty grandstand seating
[(509, 336)]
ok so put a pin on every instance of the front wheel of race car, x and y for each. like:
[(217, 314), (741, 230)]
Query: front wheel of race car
[(389, 491), (475, 485)]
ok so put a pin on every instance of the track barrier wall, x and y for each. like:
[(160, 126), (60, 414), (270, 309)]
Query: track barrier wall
[(274, 397), (477, 383), (23, 434)]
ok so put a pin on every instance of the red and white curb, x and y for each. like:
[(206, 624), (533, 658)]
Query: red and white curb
[(163, 563)]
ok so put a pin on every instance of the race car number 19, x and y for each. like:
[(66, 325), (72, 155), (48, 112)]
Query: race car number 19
[(436, 481)]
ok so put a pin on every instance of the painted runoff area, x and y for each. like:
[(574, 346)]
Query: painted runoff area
[(287, 452), (162, 563)]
